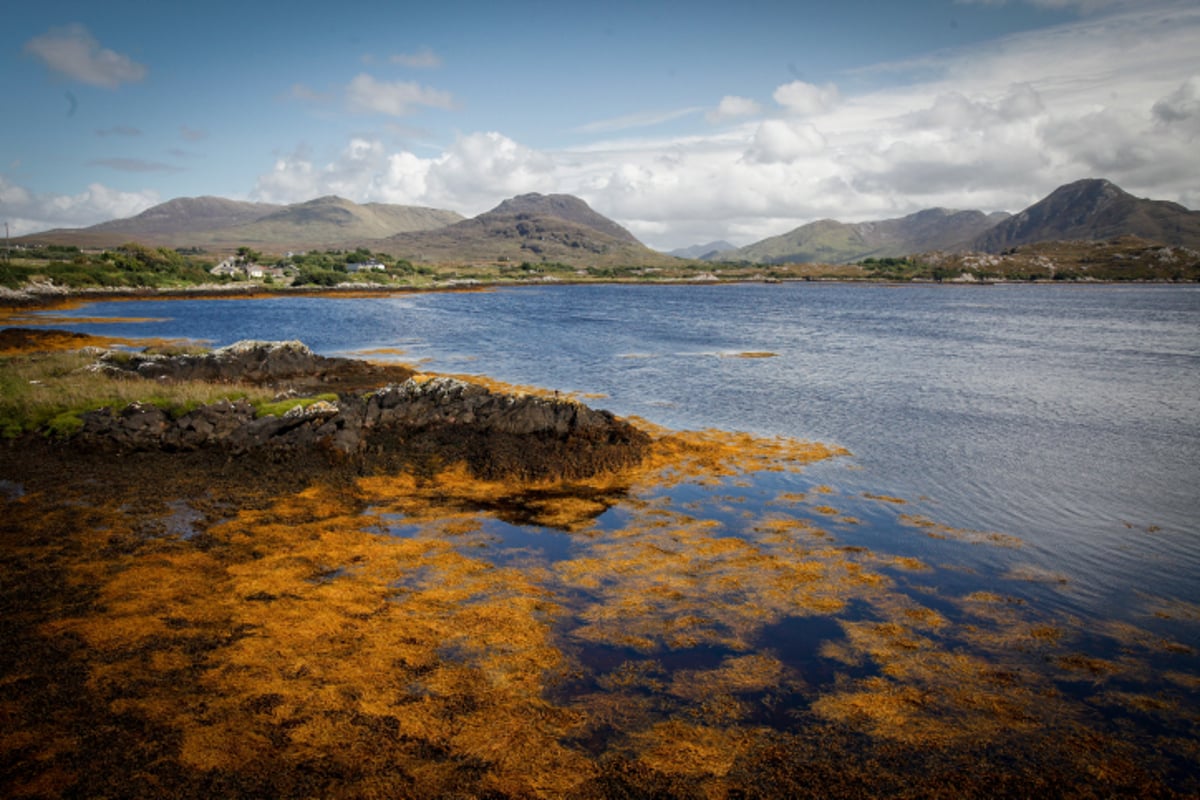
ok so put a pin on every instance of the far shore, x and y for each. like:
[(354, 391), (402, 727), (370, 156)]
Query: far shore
[(53, 297)]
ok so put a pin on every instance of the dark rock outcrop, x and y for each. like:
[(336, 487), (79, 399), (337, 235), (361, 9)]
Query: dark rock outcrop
[(421, 425), (442, 421), (285, 366), (263, 363)]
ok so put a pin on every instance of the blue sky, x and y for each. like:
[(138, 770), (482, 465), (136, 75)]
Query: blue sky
[(685, 122)]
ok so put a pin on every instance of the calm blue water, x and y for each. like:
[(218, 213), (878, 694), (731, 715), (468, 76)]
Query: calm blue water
[(1066, 416)]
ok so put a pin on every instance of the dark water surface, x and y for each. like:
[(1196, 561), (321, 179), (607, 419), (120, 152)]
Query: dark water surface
[(1066, 416)]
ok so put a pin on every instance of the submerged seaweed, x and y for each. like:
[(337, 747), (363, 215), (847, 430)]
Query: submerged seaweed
[(678, 629)]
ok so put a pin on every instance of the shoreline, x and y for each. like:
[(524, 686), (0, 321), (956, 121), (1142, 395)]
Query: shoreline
[(55, 297)]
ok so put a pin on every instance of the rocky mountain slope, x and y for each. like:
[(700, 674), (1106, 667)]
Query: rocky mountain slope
[(1093, 210), (832, 242), (530, 228)]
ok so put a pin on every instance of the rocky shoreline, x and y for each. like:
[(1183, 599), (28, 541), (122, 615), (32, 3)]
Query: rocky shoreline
[(382, 418)]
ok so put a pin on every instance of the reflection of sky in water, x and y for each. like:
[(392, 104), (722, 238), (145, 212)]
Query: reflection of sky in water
[(881, 601)]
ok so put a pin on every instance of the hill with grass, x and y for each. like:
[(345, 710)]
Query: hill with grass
[(219, 224), (831, 242), (531, 228)]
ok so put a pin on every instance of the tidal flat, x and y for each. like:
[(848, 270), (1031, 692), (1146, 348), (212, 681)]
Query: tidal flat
[(711, 622)]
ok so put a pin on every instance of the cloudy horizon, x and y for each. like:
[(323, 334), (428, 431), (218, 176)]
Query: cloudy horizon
[(683, 128)]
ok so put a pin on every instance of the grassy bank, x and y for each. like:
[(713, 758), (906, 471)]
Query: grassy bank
[(47, 390)]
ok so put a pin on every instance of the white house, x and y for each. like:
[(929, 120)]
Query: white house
[(365, 266), (226, 267)]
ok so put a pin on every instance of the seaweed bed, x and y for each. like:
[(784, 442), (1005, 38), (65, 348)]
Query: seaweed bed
[(195, 625)]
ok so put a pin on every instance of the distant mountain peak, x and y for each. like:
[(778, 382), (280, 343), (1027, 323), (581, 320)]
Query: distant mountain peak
[(562, 206), (185, 214), (328, 200), (1094, 209), (834, 242), (703, 252), (533, 228)]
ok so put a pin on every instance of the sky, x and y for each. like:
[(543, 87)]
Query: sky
[(686, 122)]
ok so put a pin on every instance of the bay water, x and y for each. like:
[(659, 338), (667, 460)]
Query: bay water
[(1066, 416), (1011, 545)]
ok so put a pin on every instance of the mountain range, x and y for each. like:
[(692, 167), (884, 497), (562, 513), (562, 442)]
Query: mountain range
[(564, 229), (831, 242), (1090, 210), (214, 222)]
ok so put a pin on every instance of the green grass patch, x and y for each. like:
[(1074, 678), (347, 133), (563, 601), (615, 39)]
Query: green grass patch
[(280, 407), (49, 392)]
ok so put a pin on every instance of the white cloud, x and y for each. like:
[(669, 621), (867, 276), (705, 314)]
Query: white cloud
[(481, 168), (732, 107), (780, 141), (806, 99), (471, 176), (75, 53), (396, 98), (954, 110), (27, 212), (1181, 108)]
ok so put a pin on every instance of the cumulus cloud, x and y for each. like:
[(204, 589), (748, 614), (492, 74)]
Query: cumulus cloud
[(732, 107), (28, 212), (803, 98), (480, 166), (781, 141), (472, 175), (396, 98), (955, 110), (75, 53), (1181, 108)]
